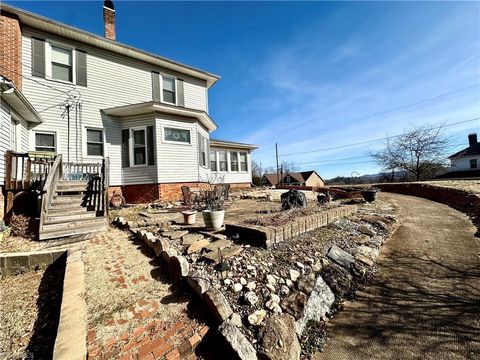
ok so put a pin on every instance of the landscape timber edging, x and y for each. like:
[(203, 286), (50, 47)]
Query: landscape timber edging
[(70, 342), (13, 263), (214, 300), (266, 236)]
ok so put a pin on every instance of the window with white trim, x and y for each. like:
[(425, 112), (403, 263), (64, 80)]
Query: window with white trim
[(169, 90), (203, 150), (139, 147), (45, 142), (233, 161), (62, 63), (176, 135), (213, 160), (243, 161), (222, 161), (94, 142)]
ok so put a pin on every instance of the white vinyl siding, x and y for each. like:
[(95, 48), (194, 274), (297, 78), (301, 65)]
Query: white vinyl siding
[(5, 141), (113, 80), (234, 164), (463, 163)]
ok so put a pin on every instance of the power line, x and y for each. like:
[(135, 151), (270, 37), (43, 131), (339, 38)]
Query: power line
[(401, 107), (375, 140)]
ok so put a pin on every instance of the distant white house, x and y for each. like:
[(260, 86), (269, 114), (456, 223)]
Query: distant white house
[(88, 97), (468, 158)]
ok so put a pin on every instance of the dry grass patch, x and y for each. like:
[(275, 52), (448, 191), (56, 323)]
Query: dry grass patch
[(471, 186)]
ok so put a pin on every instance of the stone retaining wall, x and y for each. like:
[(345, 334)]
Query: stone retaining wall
[(14, 263), (263, 236), (460, 200)]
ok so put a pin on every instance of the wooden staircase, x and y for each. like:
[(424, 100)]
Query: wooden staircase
[(69, 212)]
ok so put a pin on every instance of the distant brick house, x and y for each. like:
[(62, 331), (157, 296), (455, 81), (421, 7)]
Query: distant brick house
[(304, 178)]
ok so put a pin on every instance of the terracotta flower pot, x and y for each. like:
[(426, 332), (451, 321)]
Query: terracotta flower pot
[(189, 216)]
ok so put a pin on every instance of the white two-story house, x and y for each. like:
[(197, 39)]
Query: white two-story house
[(88, 97)]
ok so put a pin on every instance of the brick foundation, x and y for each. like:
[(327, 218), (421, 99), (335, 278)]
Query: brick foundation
[(11, 48), (147, 193)]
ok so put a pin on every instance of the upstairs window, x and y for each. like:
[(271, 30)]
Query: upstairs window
[(233, 161), (473, 164), (62, 64), (94, 142), (213, 160), (169, 90), (243, 161), (44, 142)]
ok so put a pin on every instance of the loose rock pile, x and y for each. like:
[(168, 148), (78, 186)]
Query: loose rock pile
[(261, 295)]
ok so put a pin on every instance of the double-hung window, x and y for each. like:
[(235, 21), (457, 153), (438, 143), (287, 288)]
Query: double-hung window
[(94, 142), (169, 90), (62, 63), (203, 150), (222, 161), (213, 160), (473, 164), (139, 147), (233, 161), (243, 161), (44, 142)]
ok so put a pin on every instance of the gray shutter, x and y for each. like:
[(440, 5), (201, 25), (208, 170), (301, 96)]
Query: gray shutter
[(81, 67), (155, 86), (38, 58), (181, 93), (150, 146), (125, 148)]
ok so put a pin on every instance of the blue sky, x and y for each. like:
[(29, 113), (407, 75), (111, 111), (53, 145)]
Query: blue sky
[(313, 75)]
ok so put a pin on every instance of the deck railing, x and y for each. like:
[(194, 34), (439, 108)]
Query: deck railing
[(49, 187), (24, 171)]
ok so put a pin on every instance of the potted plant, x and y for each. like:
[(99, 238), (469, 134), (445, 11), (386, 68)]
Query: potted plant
[(212, 202)]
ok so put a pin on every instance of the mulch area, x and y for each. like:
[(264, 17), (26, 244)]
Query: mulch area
[(29, 312), (133, 308)]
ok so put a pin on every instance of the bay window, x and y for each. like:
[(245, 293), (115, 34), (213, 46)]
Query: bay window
[(139, 145), (222, 161)]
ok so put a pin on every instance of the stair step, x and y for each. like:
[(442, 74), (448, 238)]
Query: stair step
[(73, 182), (67, 217), (77, 189), (73, 200), (67, 209), (74, 224), (53, 233)]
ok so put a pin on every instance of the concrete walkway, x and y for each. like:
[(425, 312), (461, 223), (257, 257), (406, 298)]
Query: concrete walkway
[(425, 301)]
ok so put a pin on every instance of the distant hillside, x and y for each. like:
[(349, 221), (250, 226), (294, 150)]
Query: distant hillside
[(369, 178)]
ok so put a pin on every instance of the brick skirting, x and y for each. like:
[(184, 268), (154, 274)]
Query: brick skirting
[(147, 193)]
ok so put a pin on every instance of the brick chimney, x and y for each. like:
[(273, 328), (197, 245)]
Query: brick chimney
[(11, 48), (472, 139), (109, 19)]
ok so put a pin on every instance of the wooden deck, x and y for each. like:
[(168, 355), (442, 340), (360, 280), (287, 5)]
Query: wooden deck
[(73, 195)]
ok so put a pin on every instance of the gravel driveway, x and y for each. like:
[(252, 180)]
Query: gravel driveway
[(425, 301)]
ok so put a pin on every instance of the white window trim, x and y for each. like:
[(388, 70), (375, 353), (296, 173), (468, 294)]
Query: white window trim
[(164, 141), (230, 160), (218, 162), (207, 154), (132, 162), (239, 163), (48, 61), (84, 142), (176, 91), (33, 144)]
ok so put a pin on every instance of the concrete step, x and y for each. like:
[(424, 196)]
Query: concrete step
[(68, 217), (52, 231)]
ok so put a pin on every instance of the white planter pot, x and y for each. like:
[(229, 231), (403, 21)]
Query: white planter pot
[(213, 219), (189, 217)]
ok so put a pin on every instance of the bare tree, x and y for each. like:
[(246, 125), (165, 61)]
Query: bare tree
[(419, 151), (289, 167), (257, 173)]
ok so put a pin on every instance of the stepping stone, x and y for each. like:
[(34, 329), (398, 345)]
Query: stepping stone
[(365, 230), (189, 239), (219, 244), (367, 261), (175, 234), (197, 246), (340, 256), (226, 253)]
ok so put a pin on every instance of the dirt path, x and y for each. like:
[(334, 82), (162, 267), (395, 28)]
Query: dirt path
[(425, 301)]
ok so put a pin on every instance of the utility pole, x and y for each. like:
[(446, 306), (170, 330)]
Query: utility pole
[(276, 152)]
